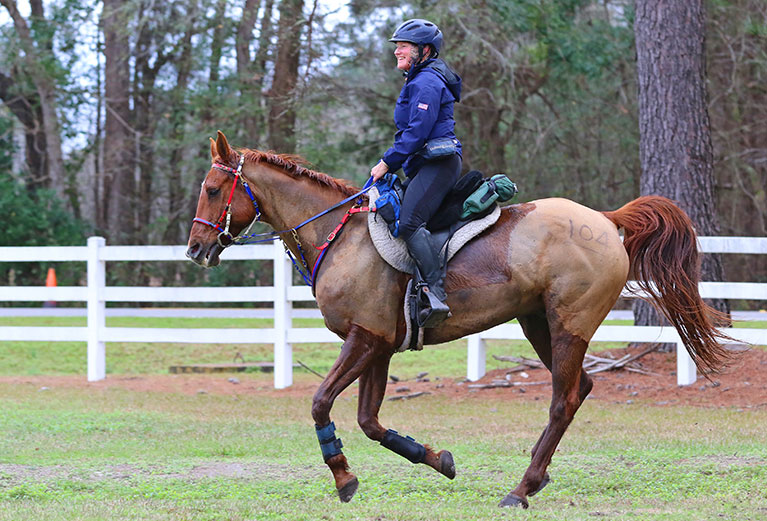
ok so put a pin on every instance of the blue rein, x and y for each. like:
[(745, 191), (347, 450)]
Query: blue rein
[(306, 274), (368, 186), (309, 276)]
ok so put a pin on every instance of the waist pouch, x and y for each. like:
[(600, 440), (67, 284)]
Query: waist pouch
[(439, 148), (497, 188)]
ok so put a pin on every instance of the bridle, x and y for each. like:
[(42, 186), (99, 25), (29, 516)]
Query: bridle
[(225, 238)]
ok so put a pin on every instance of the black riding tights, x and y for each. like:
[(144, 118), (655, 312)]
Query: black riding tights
[(426, 191)]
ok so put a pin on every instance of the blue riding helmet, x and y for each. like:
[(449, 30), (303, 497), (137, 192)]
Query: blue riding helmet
[(419, 32)]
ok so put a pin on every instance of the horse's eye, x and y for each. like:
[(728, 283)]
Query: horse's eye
[(213, 192)]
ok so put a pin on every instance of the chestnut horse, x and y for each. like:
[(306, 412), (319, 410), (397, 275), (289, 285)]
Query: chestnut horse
[(554, 265)]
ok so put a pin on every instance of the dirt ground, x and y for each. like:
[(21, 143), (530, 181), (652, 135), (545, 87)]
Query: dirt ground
[(742, 385)]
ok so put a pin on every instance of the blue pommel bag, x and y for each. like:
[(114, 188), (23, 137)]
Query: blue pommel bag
[(389, 201)]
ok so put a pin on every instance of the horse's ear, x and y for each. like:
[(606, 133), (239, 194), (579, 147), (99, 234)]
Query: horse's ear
[(222, 146), (213, 151)]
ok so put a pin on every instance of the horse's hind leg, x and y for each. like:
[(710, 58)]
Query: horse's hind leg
[(563, 355), (359, 350), (372, 390), (536, 329)]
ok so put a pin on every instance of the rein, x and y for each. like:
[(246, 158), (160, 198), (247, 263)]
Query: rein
[(225, 238), (335, 233)]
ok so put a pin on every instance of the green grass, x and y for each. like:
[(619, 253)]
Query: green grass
[(169, 322), (110, 454)]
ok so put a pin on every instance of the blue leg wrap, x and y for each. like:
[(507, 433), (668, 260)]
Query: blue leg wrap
[(406, 447), (330, 445)]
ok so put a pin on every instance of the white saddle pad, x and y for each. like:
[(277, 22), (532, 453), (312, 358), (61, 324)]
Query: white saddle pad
[(394, 251)]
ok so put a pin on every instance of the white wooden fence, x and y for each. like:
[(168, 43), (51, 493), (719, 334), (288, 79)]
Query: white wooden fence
[(282, 294)]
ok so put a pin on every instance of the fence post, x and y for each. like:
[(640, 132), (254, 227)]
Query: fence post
[(475, 365), (96, 310), (685, 367), (283, 351)]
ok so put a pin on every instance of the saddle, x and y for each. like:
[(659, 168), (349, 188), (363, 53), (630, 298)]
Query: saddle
[(448, 229)]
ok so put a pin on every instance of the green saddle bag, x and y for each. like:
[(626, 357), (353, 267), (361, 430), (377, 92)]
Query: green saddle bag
[(498, 188)]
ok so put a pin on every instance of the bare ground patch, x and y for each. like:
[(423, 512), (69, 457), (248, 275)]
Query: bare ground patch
[(741, 385)]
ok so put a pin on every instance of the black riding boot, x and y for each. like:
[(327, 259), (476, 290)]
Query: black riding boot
[(432, 308)]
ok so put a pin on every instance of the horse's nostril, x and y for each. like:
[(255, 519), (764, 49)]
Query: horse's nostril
[(193, 250)]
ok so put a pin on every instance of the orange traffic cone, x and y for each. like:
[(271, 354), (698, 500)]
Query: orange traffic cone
[(50, 282)]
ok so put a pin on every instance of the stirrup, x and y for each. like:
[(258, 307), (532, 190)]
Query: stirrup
[(431, 310)]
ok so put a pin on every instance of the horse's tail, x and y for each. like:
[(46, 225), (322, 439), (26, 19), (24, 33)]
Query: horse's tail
[(662, 247)]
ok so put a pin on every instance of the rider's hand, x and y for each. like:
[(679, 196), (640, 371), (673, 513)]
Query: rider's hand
[(378, 171)]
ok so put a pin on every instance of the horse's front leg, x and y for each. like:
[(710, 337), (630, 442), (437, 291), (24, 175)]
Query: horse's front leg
[(360, 349), (372, 390)]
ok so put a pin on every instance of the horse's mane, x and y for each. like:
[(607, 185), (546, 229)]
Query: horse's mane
[(293, 164)]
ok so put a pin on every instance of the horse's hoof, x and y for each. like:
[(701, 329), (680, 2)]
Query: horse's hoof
[(346, 493), (546, 481), (446, 464), (513, 500)]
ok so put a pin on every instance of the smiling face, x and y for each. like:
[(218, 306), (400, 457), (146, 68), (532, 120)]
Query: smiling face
[(406, 54)]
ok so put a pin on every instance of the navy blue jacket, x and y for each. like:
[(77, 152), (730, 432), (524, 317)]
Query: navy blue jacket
[(424, 111)]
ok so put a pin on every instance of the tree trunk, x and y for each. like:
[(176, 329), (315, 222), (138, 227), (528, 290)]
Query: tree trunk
[(738, 111), (147, 68), (264, 37), (175, 209), (244, 37), (25, 107), (251, 73), (282, 115), (118, 175), (217, 42), (220, 32), (98, 163), (674, 128), (45, 87)]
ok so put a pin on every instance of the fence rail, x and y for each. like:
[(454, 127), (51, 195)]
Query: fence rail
[(282, 294)]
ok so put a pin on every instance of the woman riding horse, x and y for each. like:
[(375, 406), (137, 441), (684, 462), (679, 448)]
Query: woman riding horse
[(554, 265), (424, 114)]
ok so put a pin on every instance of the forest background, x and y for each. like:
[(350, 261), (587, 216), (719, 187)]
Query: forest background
[(108, 106)]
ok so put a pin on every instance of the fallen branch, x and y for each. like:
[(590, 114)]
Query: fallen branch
[(517, 369), (598, 359), (643, 353), (309, 369), (592, 363), (614, 365), (506, 384), (641, 371), (520, 360), (622, 362), (407, 396)]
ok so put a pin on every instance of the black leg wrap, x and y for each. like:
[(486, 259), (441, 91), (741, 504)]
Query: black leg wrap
[(406, 447), (329, 444)]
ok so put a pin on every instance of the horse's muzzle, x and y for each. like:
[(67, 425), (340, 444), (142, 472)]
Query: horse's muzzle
[(205, 256)]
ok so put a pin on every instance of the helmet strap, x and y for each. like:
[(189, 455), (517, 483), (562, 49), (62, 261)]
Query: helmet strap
[(417, 61)]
